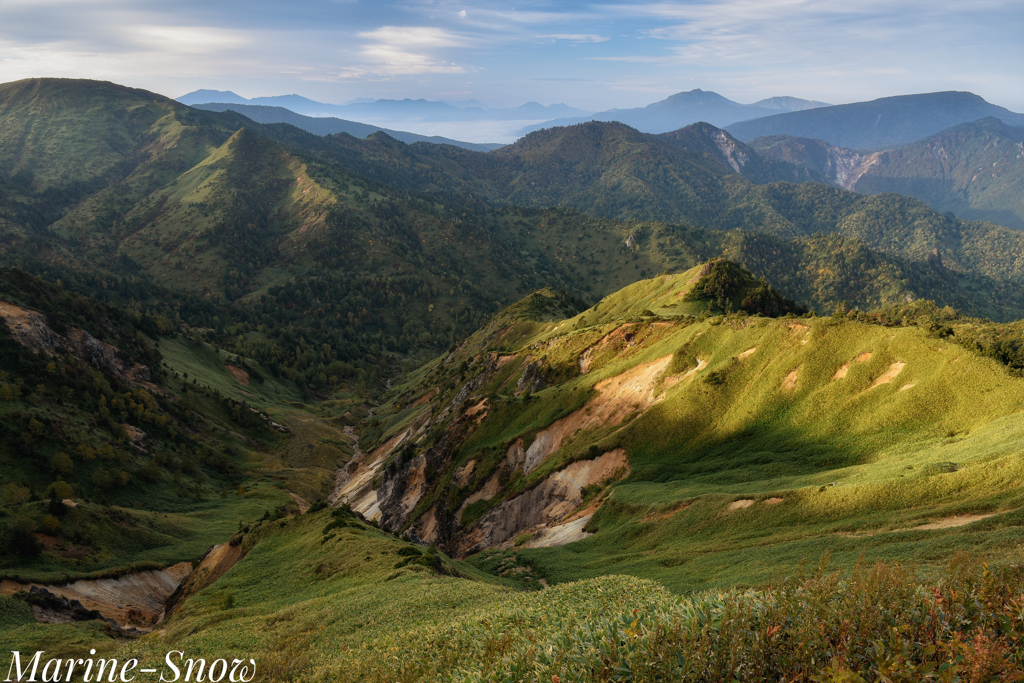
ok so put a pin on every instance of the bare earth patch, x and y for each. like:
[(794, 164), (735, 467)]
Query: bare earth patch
[(479, 410), (616, 397), (789, 384), (425, 398), (665, 515), (907, 386), (845, 367), (300, 501), (561, 534), (773, 501), (952, 522), (747, 354), (945, 523), (888, 375), (553, 500), (240, 375), (463, 473), (133, 600), (740, 504)]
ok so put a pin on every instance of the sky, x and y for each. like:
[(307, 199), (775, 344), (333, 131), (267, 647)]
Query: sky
[(594, 55)]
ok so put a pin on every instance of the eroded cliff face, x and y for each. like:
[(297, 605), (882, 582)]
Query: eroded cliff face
[(734, 156), (31, 329), (555, 499), (417, 482), (845, 166), (133, 601)]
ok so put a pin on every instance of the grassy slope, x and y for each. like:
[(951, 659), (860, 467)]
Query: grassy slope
[(888, 450), (947, 445), (307, 607), (126, 537)]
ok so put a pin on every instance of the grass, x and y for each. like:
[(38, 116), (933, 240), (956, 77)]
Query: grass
[(208, 367), (855, 464), (125, 537), (350, 606), (886, 449)]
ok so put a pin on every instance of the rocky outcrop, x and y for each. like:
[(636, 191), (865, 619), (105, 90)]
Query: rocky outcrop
[(532, 378), (133, 600), (215, 564), (30, 328), (552, 500), (733, 154), (558, 495)]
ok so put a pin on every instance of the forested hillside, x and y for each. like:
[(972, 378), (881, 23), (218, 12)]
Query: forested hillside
[(974, 170)]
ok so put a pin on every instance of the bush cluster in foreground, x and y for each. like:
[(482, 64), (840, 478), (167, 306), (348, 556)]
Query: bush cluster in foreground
[(879, 624)]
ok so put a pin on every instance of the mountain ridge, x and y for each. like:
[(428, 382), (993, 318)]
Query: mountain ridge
[(942, 170), (879, 124), (672, 113)]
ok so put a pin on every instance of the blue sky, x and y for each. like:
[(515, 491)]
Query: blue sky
[(593, 55)]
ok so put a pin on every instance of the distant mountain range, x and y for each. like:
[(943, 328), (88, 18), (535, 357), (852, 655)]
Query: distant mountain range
[(685, 108), (329, 125), (389, 110), (789, 104), (879, 124)]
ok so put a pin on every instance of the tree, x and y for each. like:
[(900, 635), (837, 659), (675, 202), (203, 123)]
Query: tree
[(62, 464), (36, 428), (13, 494), (51, 523)]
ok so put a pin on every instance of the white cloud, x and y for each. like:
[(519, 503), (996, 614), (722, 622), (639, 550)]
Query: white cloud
[(407, 50), (576, 37), (188, 40)]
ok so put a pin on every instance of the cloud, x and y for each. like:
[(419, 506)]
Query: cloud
[(188, 40), (407, 50), (802, 32), (575, 37)]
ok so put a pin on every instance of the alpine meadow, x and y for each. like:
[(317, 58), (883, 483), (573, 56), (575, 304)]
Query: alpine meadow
[(426, 389)]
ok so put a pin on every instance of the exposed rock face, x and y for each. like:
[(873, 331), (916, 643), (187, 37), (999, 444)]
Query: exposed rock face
[(134, 600), (845, 166), (215, 564), (616, 398), (560, 534), (30, 328), (552, 500), (532, 378), (734, 156)]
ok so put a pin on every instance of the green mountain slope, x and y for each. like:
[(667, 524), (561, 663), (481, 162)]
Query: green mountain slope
[(697, 447), (706, 139), (377, 248), (973, 170), (95, 414)]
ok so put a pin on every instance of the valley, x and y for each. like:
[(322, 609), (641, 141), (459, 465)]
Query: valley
[(600, 404)]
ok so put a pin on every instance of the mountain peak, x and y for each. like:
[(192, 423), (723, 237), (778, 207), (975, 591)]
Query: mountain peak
[(203, 96)]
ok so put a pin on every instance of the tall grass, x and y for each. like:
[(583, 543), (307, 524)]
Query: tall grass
[(878, 624)]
